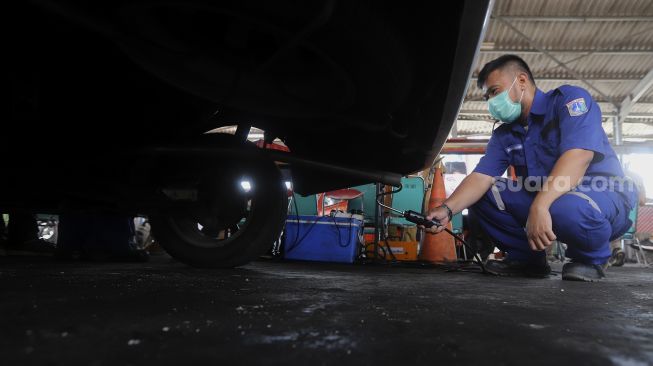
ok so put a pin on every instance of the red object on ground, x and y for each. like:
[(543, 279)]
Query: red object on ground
[(272, 146), (344, 194), (341, 194), (340, 206)]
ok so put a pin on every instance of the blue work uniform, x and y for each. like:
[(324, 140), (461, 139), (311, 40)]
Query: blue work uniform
[(588, 217)]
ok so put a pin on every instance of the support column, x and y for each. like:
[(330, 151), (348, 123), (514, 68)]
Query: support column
[(617, 125), (616, 130)]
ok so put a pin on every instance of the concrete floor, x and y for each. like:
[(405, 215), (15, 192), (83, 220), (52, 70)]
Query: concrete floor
[(166, 313)]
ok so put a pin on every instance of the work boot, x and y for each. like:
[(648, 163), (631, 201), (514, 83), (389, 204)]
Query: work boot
[(575, 271), (538, 268)]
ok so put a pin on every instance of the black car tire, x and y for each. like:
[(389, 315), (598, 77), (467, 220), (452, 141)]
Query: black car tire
[(263, 226)]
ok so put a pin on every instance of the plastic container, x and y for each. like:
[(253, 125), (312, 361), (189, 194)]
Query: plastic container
[(323, 239), (402, 250)]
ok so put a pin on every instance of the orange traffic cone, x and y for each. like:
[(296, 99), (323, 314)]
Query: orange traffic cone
[(438, 247)]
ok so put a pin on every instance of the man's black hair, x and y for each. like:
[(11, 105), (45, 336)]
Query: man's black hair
[(500, 63)]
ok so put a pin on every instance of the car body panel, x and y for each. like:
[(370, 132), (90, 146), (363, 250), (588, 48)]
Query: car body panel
[(365, 87)]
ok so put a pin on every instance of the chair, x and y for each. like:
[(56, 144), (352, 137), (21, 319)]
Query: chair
[(457, 228), (365, 203), (343, 195), (306, 205), (411, 197), (631, 237), (457, 223)]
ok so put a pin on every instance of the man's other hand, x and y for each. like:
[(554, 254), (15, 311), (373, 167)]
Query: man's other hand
[(539, 228)]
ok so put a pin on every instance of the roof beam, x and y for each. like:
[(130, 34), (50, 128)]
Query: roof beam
[(627, 148), (605, 105), (484, 112), (555, 59), (531, 51), (636, 94), (538, 18), (607, 79)]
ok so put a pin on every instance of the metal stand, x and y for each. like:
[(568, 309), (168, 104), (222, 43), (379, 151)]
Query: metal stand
[(378, 220), (640, 255)]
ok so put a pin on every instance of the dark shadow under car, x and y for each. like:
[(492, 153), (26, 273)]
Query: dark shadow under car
[(115, 97)]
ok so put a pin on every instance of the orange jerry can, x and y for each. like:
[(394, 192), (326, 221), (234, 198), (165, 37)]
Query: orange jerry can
[(402, 250)]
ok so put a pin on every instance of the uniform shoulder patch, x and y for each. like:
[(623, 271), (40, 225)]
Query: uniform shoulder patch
[(577, 107)]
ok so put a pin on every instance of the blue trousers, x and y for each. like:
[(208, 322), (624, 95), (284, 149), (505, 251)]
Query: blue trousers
[(584, 219)]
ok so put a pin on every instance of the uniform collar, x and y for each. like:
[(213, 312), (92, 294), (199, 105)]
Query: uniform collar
[(517, 127), (539, 103)]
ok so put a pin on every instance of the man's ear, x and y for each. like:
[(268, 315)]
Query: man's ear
[(522, 78)]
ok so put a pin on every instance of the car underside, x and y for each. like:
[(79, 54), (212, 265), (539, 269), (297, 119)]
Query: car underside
[(111, 101)]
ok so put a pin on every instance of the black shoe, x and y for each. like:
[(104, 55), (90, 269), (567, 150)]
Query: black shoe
[(575, 271), (538, 269)]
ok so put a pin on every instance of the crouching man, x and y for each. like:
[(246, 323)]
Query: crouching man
[(570, 184)]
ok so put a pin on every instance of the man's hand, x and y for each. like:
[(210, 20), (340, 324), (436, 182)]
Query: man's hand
[(439, 213), (565, 175), (539, 228)]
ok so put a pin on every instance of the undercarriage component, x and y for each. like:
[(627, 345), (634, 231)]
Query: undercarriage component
[(309, 172)]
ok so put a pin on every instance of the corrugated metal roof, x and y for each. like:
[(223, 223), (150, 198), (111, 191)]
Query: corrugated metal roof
[(609, 35), (609, 43), (573, 7)]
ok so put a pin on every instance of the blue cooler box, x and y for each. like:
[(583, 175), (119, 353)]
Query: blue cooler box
[(322, 238)]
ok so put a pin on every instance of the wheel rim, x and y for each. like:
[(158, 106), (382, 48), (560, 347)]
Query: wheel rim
[(191, 230), (202, 225)]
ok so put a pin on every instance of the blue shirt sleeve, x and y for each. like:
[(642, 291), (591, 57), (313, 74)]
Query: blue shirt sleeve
[(495, 161), (580, 123)]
